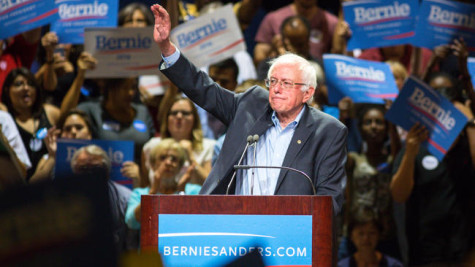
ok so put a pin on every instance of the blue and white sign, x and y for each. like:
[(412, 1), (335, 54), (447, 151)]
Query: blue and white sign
[(215, 240), (122, 52), (209, 38), (362, 80), (17, 16), (441, 21), (378, 23), (75, 16), (471, 69), (118, 152), (417, 102)]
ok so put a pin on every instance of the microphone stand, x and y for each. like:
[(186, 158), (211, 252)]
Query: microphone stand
[(245, 167)]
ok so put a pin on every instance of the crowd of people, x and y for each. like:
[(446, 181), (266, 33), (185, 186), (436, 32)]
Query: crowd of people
[(395, 204)]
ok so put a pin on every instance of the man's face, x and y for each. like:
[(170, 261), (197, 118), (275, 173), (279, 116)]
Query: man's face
[(224, 77), (287, 103)]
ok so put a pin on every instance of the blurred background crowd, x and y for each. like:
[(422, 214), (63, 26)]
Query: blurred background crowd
[(402, 205)]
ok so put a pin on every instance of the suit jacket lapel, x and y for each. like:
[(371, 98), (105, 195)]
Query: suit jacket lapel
[(302, 133)]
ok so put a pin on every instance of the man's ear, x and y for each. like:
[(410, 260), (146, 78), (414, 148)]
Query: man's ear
[(308, 94)]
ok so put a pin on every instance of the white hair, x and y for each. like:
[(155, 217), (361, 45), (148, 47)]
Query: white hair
[(308, 73)]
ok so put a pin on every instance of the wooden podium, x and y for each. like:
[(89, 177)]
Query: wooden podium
[(319, 207)]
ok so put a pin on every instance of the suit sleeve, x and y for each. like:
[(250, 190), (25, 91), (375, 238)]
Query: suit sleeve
[(202, 90), (332, 171)]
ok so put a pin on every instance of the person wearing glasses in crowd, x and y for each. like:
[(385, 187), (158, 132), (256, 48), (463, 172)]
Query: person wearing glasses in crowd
[(182, 123), (291, 133)]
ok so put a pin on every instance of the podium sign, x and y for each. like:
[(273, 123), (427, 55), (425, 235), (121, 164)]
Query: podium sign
[(215, 240), (214, 230)]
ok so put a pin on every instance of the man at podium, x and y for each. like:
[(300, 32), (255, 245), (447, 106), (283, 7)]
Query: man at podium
[(266, 128)]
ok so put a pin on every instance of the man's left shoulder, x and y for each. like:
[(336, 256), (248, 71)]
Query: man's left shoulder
[(323, 119)]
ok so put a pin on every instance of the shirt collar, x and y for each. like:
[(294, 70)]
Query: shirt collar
[(293, 124)]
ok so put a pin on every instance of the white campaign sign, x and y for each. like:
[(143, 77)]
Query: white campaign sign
[(210, 38), (122, 52)]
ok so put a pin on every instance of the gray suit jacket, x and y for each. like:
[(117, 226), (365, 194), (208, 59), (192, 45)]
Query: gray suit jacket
[(318, 146)]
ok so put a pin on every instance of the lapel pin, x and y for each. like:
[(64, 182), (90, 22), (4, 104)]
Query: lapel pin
[(299, 141)]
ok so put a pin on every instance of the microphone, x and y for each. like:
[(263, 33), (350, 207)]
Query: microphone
[(246, 167), (249, 141), (255, 138)]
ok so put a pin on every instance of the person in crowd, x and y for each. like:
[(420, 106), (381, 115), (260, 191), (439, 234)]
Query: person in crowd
[(369, 174), (365, 231), (23, 99), (92, 161), (322, 27), (225, 73), (151, 87), (294, 36), (399, 72), (18, 51), (75, 124), (166, 160), (436, 197), (183, 125), (117, 117), (292, 134)]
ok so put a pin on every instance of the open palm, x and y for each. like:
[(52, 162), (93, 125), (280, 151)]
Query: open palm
[(161, 30)]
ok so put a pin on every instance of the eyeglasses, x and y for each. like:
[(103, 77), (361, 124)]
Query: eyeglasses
[(286, 84), (183, 113), (20, 83), (172, 158)]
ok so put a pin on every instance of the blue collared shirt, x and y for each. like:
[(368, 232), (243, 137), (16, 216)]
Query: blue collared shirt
[(270, 151)]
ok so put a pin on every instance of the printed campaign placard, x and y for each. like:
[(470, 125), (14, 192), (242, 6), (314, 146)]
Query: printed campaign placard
[(118, 152), (75, 16), (215, 240), (122, 52), (379, 23), (471, 69), (441, 21), (209, 38), (362, 80), (17, 16), (417, 102)]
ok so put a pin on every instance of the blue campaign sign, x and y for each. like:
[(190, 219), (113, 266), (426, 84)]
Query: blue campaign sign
[(417, 102), (471, 69), (362, 80), (17, 16), (215, 240), (118, 152), (74, 16), (378, 23), (441, 21)]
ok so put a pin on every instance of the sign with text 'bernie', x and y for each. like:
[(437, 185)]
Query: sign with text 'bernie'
[(17, 16), (209, 38), (379, 23), (417, 102), (442, 21), (75, 16), (122, 52), (362, 80), (118, 152), (215, 240)]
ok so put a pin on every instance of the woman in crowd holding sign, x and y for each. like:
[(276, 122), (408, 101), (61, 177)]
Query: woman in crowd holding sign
[(438, 195), (75, 124), (23, 98)]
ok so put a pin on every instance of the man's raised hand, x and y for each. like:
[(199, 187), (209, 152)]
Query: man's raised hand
[(161, 30)]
